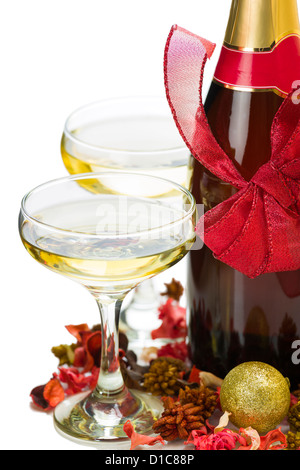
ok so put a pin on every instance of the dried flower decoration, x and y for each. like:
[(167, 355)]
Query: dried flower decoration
[(210, 380), (274, 440), (222, 438), (148, 354), (48, 396), (133, 373), (174, 290), (173, 324), (177, 350), (82, 359), (203, 397), (75, 381), (194, 375), (177, 420), (293, 440), (189, 395), (188, 412), (65, 353), (294, 417), (88, 351), (161, 379), (140, 439)]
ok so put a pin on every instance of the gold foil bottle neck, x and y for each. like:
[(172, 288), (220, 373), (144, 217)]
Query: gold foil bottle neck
[(260, 24)]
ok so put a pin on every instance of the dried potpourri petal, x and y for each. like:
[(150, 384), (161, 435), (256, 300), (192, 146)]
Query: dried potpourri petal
[(65, 353), (178, 350), (194, 376), (174, 290), (132, 372), (48, 396), (54, 392), (148, 354), (274, 440), (77, 381), (210, 380), (222, 440), (173, 318), (37, 396), (132, 379), (140, 439), (218, 437), (87, 351), (75, 330), (88, 354)]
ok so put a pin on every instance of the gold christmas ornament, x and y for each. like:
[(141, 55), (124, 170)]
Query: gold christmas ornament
[(257, 395)]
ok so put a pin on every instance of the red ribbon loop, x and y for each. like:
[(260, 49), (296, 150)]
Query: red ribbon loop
[(257, 230), (271, 180)]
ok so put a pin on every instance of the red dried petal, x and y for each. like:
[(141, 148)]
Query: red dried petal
[(54, 392), (91, 343), (177, 350), (93, 378), (194, 375), (173, 318), (93, 349), (140, 439), (71, 377), (79, 357), (76, 329), (294, 400), (37, 396), (77, 381), (267, 441), (222, 440)]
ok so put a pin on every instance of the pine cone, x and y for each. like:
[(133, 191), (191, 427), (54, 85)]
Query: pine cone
[(177, 421), (161, 379), (192, 408), (202, 396)]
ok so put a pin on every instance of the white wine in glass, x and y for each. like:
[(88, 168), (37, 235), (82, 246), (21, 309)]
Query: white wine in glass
[(135, 134), (108, 243)]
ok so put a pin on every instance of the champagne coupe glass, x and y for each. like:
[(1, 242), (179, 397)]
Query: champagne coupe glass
[(108, 240), (135, 134)]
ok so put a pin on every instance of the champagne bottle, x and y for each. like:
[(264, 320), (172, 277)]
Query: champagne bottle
[(232, 318)]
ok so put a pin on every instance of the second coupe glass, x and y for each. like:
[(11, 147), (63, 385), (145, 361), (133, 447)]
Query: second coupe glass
[(135, 134)]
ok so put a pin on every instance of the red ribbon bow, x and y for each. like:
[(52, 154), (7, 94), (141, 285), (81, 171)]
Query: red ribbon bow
[(257, 230)]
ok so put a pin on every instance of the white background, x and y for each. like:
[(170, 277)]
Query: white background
[(56, 56)]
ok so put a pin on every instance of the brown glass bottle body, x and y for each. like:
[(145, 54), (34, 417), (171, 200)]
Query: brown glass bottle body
[(231, 318)]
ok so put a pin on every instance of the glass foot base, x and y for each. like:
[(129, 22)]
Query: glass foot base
[(89, 419)]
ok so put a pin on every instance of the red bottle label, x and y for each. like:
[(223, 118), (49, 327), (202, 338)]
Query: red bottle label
[(277, 68)]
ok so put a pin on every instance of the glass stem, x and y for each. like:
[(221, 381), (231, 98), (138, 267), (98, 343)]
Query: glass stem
[(110, 380)]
